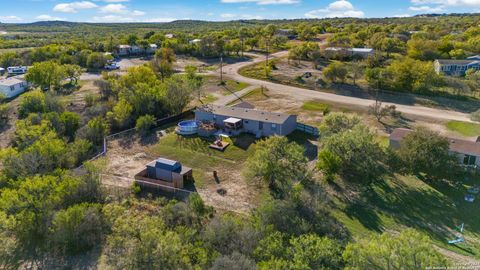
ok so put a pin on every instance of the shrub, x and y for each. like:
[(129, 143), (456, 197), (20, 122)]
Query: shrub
[(90, 100), (145, 124)]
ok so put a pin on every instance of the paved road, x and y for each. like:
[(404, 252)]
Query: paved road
[(302, 94)]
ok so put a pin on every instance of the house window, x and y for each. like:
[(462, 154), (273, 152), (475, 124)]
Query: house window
[(274, 126), (469, 160), (246, 121), (12, 88)]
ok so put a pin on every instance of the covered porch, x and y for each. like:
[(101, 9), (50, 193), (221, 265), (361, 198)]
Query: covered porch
[(233, 123)]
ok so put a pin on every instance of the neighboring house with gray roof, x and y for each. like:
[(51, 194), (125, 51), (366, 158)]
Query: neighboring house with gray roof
[(468, 152), (13, 86), (455, 67), (237, 119)]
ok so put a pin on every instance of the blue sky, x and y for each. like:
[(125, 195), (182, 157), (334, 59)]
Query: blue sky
[(219, 10)]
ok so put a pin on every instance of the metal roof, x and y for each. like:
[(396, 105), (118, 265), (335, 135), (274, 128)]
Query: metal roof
[(455, 62), (166, 164), (11, 81), (246, 114)]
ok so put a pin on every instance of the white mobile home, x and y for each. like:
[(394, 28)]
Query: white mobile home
[(13, 86), (17, 70)]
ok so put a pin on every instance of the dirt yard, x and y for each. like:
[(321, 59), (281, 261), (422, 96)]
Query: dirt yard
[(128, 155)]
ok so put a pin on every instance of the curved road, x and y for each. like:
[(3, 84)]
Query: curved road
[(302, 94)]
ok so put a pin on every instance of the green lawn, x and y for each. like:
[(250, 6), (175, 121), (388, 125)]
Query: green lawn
[(194, 152), (406, 201), (464, 128), (233, 86), (315, 106), (209, 98)]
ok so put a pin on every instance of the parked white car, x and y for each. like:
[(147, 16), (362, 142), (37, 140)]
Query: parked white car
[(112, 66)]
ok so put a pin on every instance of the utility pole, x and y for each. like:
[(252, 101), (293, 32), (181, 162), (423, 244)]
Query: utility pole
[(221, 68)]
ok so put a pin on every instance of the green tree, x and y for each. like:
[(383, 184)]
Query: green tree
[(77, 228), (361, 156), (163, 61), (335, 71), (96, 130), (338, 122), (46, 75), (122, 113), (408, 250), (70, 122), (425, 151), (278, 163), (97, 60), (145, 124), (73, 73), (32, 102)]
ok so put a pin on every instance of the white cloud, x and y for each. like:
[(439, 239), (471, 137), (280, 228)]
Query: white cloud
[(401, 15), (113, 18), (263, 2), (138, 13), (228, 15), (240, 16), (114, 8), (427, 9), (435, 6), (10, 18), (45, 17), (341, 8), (468, 3), (116, 1), (73, 7), (160, 20)]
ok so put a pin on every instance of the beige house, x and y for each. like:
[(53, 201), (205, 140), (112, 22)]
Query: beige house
[(468, 152)]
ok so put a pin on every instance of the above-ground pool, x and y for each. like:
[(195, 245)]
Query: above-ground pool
[(188, 127)]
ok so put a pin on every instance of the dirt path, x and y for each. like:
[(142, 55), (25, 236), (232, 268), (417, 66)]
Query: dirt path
[(302, 94)]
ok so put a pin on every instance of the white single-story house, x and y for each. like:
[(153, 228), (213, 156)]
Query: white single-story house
[(13, 86), (455, 67), (125, 50), (234, 120), (468, 152), (349, 52), (195, 41)]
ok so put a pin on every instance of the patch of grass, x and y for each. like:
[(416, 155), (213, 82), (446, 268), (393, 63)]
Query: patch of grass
[(257, 71), (316, 107), (464, 128), (195, 153), (209, 98), (233, 86), (399, 202)]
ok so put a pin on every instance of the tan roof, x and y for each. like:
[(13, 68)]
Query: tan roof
[(247, 114), (456, 145)]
